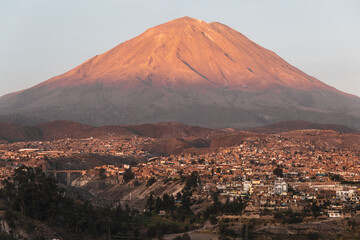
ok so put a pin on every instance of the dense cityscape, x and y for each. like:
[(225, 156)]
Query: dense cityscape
[(272, 174)]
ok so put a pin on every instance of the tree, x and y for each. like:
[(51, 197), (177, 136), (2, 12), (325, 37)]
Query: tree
[(215, 197), (102, 173), (336, 177), (6, 236), (178, 196), (33, 193), (37, 196), (181, 172), (185, 236), (278, 171), (150, 202), (201, 161), (185, 208), (192, 180), (316, 210), (128, 175), (213, 220), (150, 182), (168, 202), (158, 205)]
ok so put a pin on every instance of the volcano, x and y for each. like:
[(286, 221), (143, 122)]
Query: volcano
[(188, 71)]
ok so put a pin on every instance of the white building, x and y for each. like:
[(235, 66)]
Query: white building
[(334, 214), (246, 185), (280, 187), (346, 195)]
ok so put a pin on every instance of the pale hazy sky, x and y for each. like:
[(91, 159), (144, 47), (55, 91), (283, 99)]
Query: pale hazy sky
[(40, 39)]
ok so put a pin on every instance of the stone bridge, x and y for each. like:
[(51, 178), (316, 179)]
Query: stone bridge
[(68, 174)]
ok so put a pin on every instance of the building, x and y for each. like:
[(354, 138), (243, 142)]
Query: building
[(247, 185), (280, 187)]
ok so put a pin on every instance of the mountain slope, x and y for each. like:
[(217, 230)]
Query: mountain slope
[(187, 71), (299, 125), (186, 52), (14, 132), (67, 129)]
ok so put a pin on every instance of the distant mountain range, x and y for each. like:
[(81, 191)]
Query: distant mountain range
[(188, 71), (12, 132)]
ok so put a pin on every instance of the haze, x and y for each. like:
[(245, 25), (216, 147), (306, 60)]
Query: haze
[(41, 39)]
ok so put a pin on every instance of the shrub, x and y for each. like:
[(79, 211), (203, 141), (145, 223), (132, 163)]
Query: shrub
[(150, 182)]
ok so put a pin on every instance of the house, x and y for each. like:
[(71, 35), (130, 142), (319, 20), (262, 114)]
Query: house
[(334, 214)]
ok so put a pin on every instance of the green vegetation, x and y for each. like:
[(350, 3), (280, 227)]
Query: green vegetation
[(30, 194), (335, 177), (167, 203), (278, 171), (288, 217), (185, 236), (102, 173), (158, 225), (128, 175), (6, 236), (235, 207), (35, 196), (150, 182)]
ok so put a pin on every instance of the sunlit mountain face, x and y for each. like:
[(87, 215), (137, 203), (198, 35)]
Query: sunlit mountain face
[(188, 71)]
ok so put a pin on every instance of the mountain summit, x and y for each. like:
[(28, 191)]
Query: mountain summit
[(189, 71), (189, 52)]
